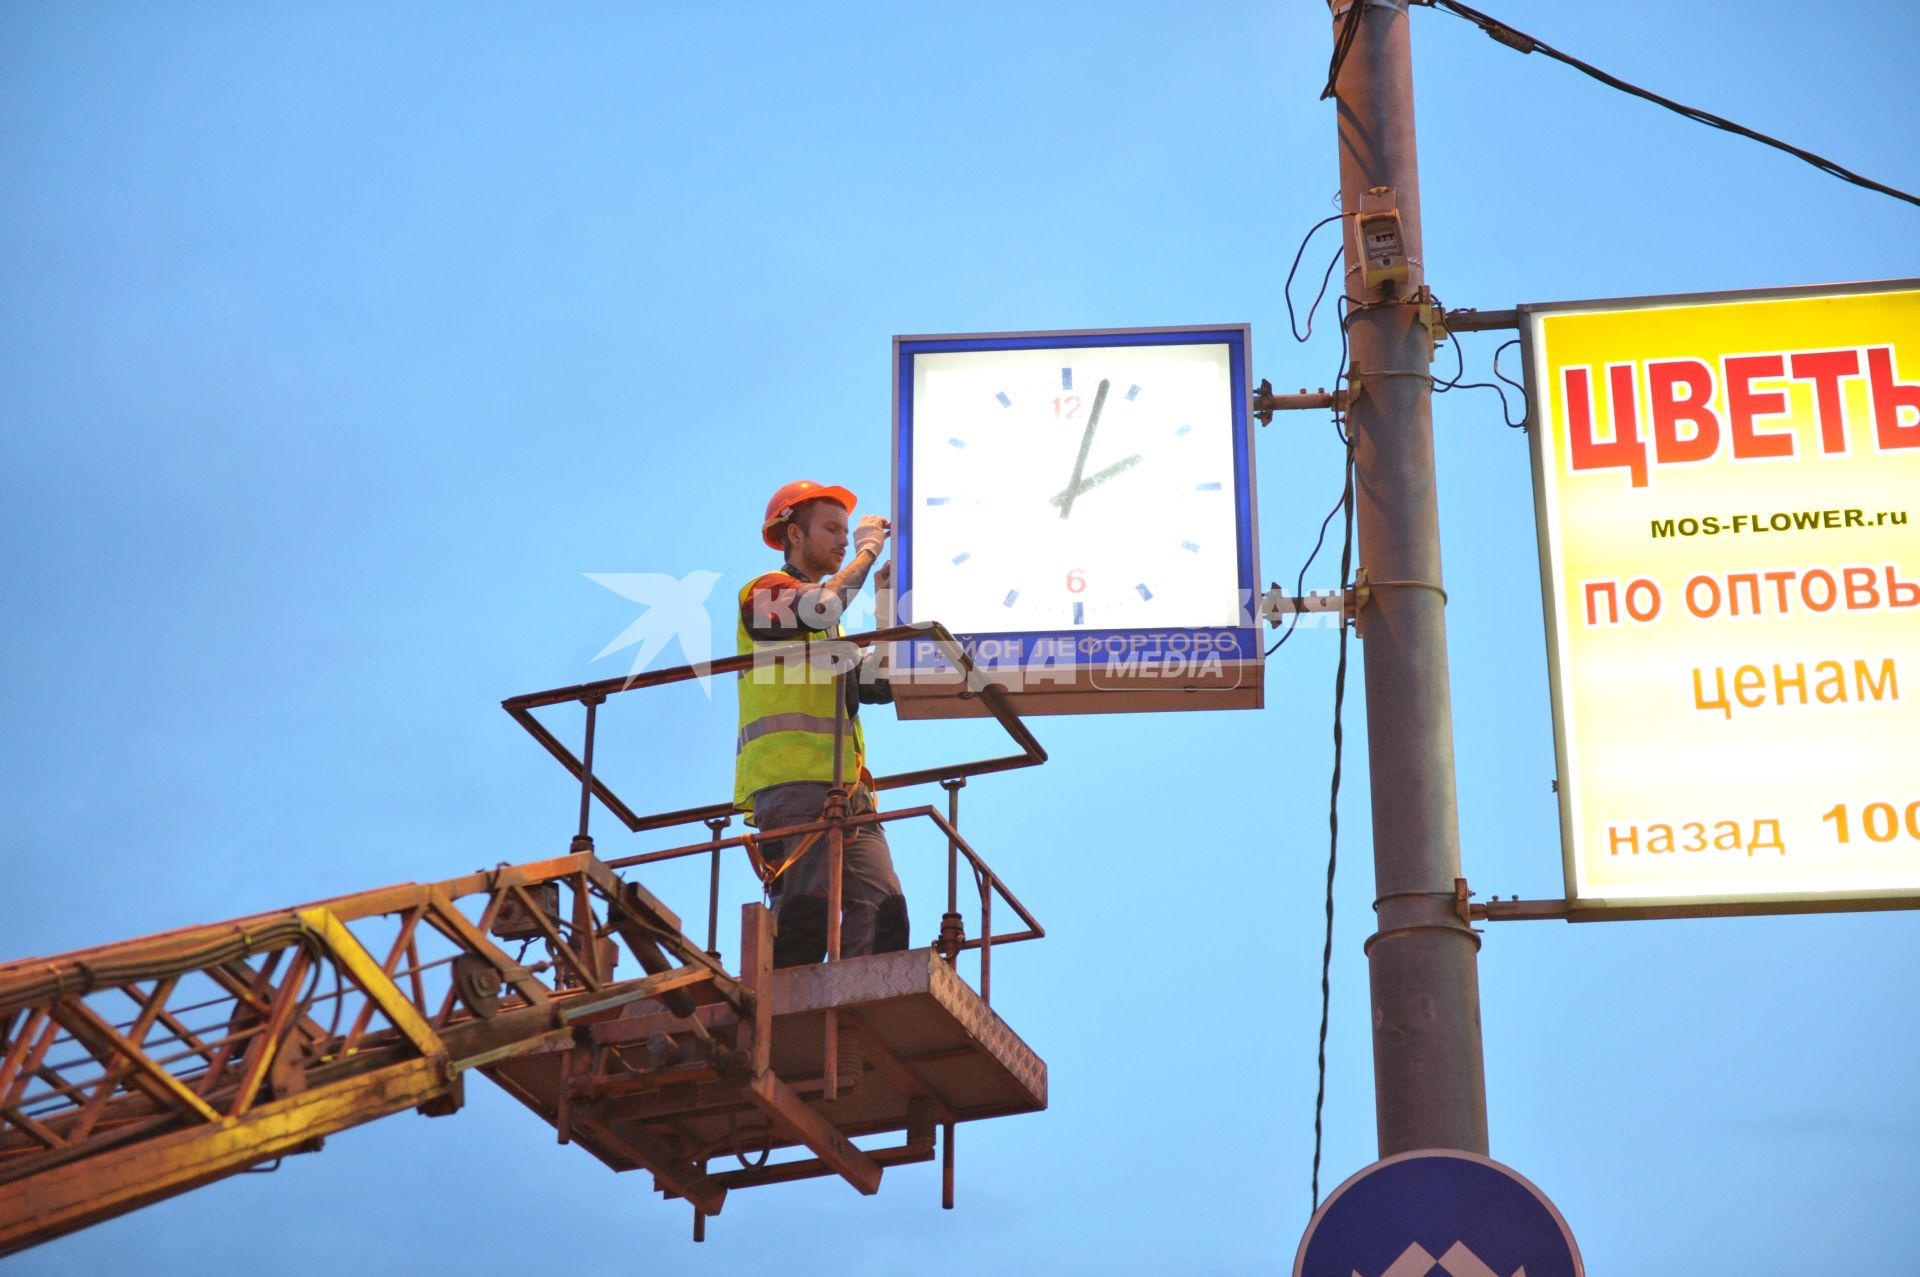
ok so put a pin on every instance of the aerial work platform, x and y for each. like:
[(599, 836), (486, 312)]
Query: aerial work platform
[(704, 1098), (134, 1071)]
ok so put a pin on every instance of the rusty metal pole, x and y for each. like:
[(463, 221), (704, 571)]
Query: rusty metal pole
[(836, 814), (951, 929), (986, 939), (718, 824), (583, 841), (1428, 1075), (946, 1167)]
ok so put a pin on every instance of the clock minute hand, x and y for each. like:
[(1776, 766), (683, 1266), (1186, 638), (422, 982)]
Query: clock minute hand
[(1086, 445)]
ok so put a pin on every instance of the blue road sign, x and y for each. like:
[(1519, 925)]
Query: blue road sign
[(1442, 1212)]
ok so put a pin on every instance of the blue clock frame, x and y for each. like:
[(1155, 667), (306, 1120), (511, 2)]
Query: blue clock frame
[(1079, 650)]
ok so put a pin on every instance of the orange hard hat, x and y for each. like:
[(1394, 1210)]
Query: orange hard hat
[(791, 495)]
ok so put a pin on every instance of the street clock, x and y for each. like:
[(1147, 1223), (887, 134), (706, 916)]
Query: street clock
[(1077, 507)]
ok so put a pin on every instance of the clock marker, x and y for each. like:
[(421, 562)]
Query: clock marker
[(961, 443), (1132, 391), (1079, 613), (1145, 593), (961, 557), (1066, 379), (938, 500), (1004, 401), (1207, 487), (1011, 596), (1190, 547)]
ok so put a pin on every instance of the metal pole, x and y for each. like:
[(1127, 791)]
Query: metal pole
[(951, 927), (586, 773), (986, 939), (836, 813), (1428, 1076), (946, 1167), (718, 824)]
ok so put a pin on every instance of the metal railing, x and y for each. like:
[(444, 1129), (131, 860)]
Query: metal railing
[(841, 652)]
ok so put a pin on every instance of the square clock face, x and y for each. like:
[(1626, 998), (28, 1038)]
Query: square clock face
[(1079, 499)]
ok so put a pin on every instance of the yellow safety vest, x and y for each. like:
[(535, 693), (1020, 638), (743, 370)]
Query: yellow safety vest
[(786, 717)]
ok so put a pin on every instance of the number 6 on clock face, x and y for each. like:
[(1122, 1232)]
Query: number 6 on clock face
[(1071, 485)]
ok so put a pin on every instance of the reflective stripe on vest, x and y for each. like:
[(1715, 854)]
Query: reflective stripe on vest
[(794, 722), (787, 709)]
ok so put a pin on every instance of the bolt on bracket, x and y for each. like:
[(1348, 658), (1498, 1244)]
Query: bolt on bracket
[(1276, 605)]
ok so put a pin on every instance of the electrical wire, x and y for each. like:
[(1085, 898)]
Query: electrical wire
[(1339, 377), (1505, 412), (1459, 382), (1341, 382), (1525, 43), (146, 960), (1287, 291), (1342, 45), (1333, 839), (733, 1137), (1343, 305), (1459, 362), (1506, 409), (1326, 278), (1526, 406), (1300, 581)]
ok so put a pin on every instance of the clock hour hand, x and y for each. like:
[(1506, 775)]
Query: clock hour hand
[(1086, 445), (1094, 480)]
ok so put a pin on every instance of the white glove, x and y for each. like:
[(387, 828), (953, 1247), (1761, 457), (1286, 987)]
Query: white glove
[(870, 534)]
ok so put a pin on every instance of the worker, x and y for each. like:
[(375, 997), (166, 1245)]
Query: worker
[(784, 759)]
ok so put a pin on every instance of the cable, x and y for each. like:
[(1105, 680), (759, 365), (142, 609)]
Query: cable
[(1333, 839), (1326, 277), (1506, 410), (1459, 362), (1512, 424), (1458, 381), (1342, 45), (1287, 291), (733, 1137), (147, 960), (1525, 43), (1300, 582), (1340, 379), (1505, 413)]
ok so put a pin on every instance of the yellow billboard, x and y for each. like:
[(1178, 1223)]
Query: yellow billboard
[(1728, 495)]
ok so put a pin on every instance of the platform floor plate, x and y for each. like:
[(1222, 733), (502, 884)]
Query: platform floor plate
[(910, 1006)]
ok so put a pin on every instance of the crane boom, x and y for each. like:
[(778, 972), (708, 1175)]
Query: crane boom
[(135, 1071)]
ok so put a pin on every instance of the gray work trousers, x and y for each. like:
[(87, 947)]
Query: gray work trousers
[(873, 912)]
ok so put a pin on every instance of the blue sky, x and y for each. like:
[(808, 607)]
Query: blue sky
[(337, 342)]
